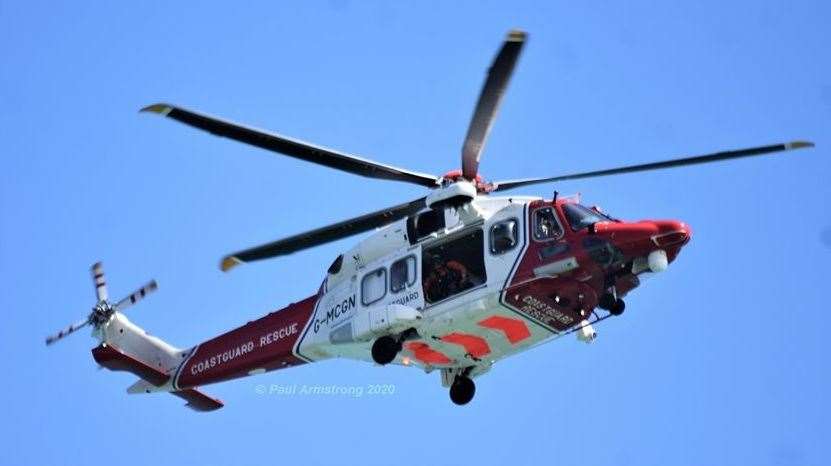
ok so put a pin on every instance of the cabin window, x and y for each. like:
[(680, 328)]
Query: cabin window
[(374, 286), (504, 236), (453, 266), (424, 224), (546, 225), (402, 273)]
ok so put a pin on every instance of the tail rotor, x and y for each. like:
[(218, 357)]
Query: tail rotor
[(103, 310)]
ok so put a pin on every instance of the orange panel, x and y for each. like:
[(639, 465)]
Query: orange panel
[(475, 346), (425, 354), (515, 329)]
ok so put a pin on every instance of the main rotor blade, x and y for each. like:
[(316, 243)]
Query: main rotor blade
[(716, 157), (292, 147), (137, 296), (325, 234), (97, 272), (71, 329), (497, 81)]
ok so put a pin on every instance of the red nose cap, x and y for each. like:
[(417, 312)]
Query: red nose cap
[(671, 233)]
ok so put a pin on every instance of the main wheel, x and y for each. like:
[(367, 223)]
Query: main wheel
[(462, 390), (385, 349), (618, 307)]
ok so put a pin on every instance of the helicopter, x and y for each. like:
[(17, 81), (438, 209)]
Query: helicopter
[(451, 282)]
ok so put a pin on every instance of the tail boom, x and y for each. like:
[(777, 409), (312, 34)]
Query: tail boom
[(259, 346)]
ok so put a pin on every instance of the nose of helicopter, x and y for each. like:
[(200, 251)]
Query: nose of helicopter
[(666, 243), (663, 246), (672, 231), (638, 239)]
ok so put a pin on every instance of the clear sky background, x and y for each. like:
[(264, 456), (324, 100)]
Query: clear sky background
[(721, 360)]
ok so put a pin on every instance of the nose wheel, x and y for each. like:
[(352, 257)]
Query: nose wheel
[(462, 390), (611, 303)]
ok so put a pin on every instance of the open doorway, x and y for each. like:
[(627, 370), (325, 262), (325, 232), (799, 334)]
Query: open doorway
[(453, 266)]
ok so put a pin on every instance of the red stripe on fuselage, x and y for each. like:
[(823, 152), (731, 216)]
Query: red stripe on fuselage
[(116, 360), (266, 343)]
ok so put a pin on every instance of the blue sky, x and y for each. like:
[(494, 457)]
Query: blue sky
[(718, 361)]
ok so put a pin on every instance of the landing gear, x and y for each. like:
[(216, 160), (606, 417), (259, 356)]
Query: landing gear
[(614, 305), (462, 390), (385, 349), (618, 307)]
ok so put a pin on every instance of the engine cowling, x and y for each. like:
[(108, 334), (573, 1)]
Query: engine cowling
[(452, 195)]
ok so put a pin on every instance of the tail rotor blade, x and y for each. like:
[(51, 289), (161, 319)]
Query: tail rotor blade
[(71, 329), (137, 296), (100, 284)]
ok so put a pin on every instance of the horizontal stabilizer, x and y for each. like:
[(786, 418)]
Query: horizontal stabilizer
[(198, 401), (143, 386), (116, 360)]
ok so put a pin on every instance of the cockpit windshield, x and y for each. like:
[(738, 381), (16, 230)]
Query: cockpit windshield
[(580, 216)]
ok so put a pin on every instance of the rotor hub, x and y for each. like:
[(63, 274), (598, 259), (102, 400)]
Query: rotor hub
[(101, 313), (454, 176)]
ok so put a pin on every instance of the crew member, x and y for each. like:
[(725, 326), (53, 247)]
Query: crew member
[(445, 279)]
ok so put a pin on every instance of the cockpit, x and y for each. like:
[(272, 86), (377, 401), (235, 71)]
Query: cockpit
[(547, 224), (580, 216)]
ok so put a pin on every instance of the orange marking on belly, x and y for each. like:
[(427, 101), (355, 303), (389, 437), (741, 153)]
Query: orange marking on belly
[(425, 354), (515, 330), (475, 346)]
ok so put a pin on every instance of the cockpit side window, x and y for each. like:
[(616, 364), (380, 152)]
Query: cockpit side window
[(546, 225), (580, 217)]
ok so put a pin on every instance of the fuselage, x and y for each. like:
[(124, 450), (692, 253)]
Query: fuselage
[(461, 287)]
